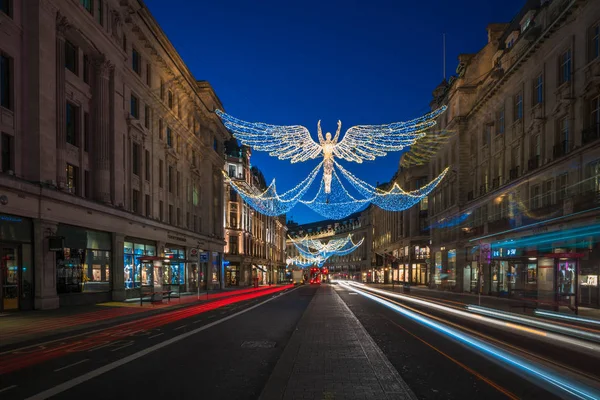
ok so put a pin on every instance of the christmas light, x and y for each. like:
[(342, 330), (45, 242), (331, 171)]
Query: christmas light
[(421, 152), (316, 252), (361, 142)]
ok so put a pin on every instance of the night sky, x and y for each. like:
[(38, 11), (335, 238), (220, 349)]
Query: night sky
[(295, 62)]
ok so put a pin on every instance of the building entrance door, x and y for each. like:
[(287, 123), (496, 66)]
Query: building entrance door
[(10, 278)]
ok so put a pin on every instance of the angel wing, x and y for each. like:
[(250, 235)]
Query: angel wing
[(284, 142), (365, 142)]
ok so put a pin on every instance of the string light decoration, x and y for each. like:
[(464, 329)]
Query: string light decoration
[(269, 202), (316, 251), (425, 148), (360, 142), (336, 205), (395, 199)]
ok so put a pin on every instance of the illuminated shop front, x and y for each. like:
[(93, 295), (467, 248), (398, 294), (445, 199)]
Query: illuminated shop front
[(174, 272), (83, 265), (232, 274), (16, 266), (136, 273)]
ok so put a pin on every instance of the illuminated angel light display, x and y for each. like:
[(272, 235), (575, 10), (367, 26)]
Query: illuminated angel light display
[(361, 142), (315, 252)]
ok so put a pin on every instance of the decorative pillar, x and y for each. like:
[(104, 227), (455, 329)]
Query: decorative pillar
[(45, 266), (118, 272), (101, 121), (62, 25)]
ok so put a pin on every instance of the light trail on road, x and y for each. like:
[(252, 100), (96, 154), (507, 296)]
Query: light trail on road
[(515, 363)]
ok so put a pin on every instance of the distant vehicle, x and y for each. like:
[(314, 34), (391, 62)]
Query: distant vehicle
[(297, 277), (315, 276)]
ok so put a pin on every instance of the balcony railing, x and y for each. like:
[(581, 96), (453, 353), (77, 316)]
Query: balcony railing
[(590, 134), (513, 173), (560, 149), (495, 183), (482, 190), (533, 163)]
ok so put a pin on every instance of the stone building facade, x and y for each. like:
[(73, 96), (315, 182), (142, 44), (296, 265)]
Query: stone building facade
[(518, 210), (110, 151), (255, 250)]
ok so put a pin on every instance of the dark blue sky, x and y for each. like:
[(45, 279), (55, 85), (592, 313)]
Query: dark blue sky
[(295, 62)]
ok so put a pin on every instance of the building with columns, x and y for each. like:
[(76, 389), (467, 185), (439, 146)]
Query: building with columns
[(255, 247), (109, 151)]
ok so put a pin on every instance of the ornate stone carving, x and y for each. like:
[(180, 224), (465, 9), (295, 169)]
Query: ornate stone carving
[(62, 24), (102, 66)]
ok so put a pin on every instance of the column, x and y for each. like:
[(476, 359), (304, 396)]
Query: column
[(61, 122), (101, 123), (45, 266), (117, 272)]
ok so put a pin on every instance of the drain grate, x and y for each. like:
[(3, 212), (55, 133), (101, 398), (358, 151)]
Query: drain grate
[(258, 344)]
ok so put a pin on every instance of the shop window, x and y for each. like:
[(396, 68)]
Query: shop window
[(5, 82), (72, 179), (71, 57), (72, 123), (136, 273), (174, 271), (7, 152)]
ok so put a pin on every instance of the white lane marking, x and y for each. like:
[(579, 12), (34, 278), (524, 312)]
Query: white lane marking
[(71, 365), (197, 322), (158, 334), (109, 367), (180, 327), (122, 347), (352, 293), (8, 388)]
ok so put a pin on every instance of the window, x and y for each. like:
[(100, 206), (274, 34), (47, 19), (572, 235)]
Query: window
[(162, 89), (525, 24), (86, 131), (5, 7), (5, 84), (178, 216), (592, 175), (187, 219), (135, 198), (232, 171), (88, 5), (136, 61), (99, 12), (501, 121), (72, 123), (7, 151), (147, 116), (547, 197), (535, 197), (538, 90), (215, 145), (72, 181), (161, 212), (147, 165), (87, 184), (594, 40), (71, 57), (136, 159), (160, 128), (196, 223), (134, 107), (193, 158), (487, 134), (178, 182), (86, 69), (595, 113), (563, 127), (518, 107), (160, 173), (170, 99), (149, 74), (169, 137), (147, 204), (561, 186), (233, 245), (171, 216), (170, 179), (124, 43), (233, 195), (564, 70), (196, 195)]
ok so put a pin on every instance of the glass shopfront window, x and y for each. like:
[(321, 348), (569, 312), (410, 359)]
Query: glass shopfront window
[(174, 272), (84, 264), (437, 277), (136, 273), (452, 268)]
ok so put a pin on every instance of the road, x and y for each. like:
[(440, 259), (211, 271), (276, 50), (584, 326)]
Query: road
[(227, 349)]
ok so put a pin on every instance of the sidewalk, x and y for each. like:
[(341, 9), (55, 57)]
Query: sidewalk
[(29, 325), (331, 356), (499, 303)]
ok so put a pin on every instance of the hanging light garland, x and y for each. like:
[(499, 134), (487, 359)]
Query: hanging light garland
[(316, 252), (361, 142)]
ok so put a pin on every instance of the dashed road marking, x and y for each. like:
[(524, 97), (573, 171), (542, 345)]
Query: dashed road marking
[(8, 388), (72, 365)]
